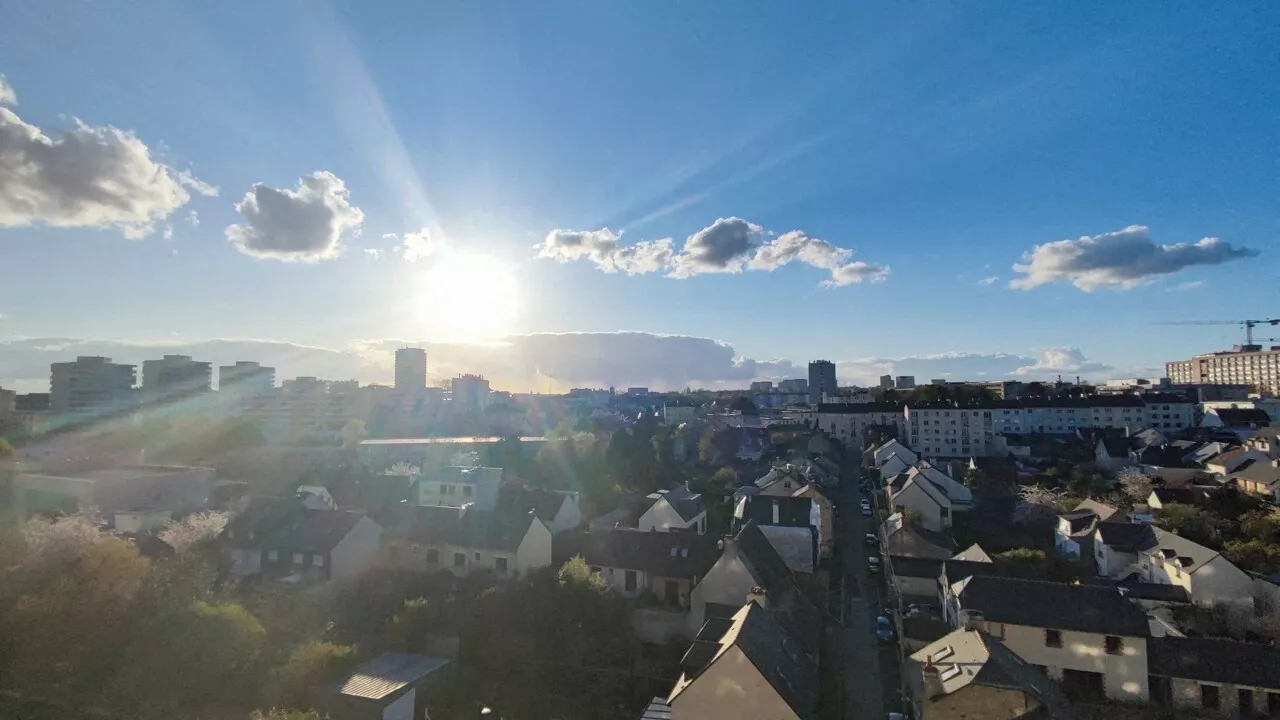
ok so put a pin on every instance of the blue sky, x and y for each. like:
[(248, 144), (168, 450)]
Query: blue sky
[(941, 143)]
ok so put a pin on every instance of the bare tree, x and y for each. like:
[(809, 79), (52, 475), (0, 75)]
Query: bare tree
[(403, 469), (1134, 484), (62, 538), (193, 530)]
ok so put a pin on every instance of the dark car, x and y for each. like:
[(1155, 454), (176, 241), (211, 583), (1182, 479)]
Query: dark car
[(884, 629), (871, 539)]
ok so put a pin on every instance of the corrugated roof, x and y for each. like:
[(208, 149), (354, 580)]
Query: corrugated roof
[(389, 673)]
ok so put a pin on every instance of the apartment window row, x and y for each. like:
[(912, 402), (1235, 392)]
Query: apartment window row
[(447, 489)]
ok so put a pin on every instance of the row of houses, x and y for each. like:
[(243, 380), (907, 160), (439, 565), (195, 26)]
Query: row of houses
[(983, 644)]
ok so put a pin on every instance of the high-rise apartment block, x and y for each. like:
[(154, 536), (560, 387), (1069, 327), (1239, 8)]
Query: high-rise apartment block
[(411, 369), (174, 377), (246, 377), (822, 380), (90, 385), (1242, 365)]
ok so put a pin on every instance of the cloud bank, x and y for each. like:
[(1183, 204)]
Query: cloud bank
[(302, 225), (542, 362), (729, 245), (88, 177), (1122, 259)]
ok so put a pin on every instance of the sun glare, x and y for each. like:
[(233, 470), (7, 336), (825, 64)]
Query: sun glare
[(471, 297)]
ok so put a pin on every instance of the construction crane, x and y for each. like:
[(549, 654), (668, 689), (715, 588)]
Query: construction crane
[(1248, 325)]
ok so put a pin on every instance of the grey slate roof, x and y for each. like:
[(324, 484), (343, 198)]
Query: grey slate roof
[(545, 504), (1215, 660), (792, 511), (1127, 537), (285, 523), (1243, 417), (435, 525), (676, 555), (1036, 603), (766, 564)]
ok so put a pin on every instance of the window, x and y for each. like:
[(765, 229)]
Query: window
[(500, 564), (466, 490), (477, 557), (1053, 638), (459, 559), (672, 592), (298, 559), (433, 555), (317, 560), (630, 581), (1209, 697), (1113, 645)]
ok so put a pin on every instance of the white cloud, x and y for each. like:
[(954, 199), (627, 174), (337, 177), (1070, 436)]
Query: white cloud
[(1122, 259), (972, 366), (1189, 285), (302, 225), (7, 95), (89, 176), (1063, 361), (418, 245), (374, 253), (193, 219), (729, 245), (992, 280)]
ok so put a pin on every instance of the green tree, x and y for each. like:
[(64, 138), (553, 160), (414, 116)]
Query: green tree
[(311, 665), (1263, 525), (1257, 556), (726, 478), (975, 479), (1190, 522), (409, 627)]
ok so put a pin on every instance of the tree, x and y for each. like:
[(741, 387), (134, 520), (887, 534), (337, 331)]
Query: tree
[(1134, 484), (411, 624), (744, 405), (277, 714), (726, 478), (60, 539), (1263, 525), (194, 530), (1190, 522), (975, 479), (1257, 556), (311, 665), (352, 433)]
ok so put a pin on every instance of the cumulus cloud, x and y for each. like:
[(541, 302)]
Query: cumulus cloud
[(7, 95), (603, 248), (989, 281), (1122, 259), (89, 176), (1063, 361), (374, 253), (418, 245), (302, 225), (729, 245)]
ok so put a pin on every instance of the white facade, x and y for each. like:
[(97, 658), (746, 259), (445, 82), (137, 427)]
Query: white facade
[(1207, 577), (452, 486), (932, 508), (847, 422), (662, 517), (356, 552), (1260, 368), (90, 384)]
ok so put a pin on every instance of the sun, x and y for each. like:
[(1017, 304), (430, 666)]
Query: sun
[(470, 297)]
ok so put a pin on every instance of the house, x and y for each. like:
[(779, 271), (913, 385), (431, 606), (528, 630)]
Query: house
[(391, 686), (454, 486), (749, 564), (430, 539), (1228, 461), (826, 515), (1118, 545), (959, 495), (1207, 576), (147, 496), (894, 465), (970, 674), (746, 666), (1088, 637), (973, 553), (283, 538), (929, 506), (917, 579), (1244, 423), (675, 510), (1260, 478), (1112, 453), (790, 525), (1198, 495), (557, 509), (881, 454), (910, 539), (1073, 535), (1212, 677), (665, 565), (782, 481)]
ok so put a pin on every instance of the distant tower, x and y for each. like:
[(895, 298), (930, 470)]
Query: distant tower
[(411, 369), (822, 379)]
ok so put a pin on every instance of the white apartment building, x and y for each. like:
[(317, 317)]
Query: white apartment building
[(1244, 364), (939, 431), (90, 384), (847, 421)]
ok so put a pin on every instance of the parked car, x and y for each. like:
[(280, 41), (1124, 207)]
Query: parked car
[(871, 539), (884, 629), (866, 506), (873, 564)]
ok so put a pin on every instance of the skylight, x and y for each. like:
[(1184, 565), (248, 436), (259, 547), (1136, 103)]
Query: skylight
[(949, 673), (945, 653)]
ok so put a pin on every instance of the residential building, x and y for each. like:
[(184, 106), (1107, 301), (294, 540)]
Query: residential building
[(469, 393), (780, 481), (1207, 576), (904, 382), (411, 369), (1213, 677), (911, 539), (960, 497), (822, 380), (888, 449), (91, 386), (1228, 461), (1074, 533), (915, 495), (460, 540), (174, 377), (762, 386), (559, 510), (1117, 547), (454, 486), (745, 666), (789, 523), (826, 516), (1088, 637), (848, 422), (678, 414), (970, 674), (1269, 405), (245, 379), (674, 510), (1244, 423), (157, 491), (886, 382), (666, 566), (392, 686), (1260, 477), (797, 385), (284, 539), (1244, 364)]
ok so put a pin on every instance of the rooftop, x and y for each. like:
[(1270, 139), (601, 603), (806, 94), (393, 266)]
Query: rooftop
[(1036, 603), (1215, 660), (663, 554), (443, 441), (389, 673), (972, 657)]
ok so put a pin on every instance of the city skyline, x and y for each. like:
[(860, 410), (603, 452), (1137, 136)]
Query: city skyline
[(977, 194)]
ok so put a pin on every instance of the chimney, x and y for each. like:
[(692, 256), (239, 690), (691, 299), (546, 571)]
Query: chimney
[(929, 673), (756, 595)]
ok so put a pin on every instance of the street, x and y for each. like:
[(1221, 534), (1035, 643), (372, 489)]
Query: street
[(868, 671)]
